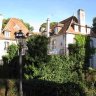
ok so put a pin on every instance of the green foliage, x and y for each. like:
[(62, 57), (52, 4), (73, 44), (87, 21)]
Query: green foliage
[(36, 54), (94, 25), (68, 70), (10, 60), (78, 50), (72, 89), (5, 21), (30, 28), (58, 69), (37, 47), (12, 88), (11, 52), (82, 52), (52, 24)]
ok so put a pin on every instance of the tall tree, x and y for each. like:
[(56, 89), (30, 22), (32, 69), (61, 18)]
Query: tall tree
[(94, 25), (52, 24), (5, 21), (36, 54), (30, 28)]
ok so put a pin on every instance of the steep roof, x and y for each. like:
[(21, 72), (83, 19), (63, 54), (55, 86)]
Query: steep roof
[(67, 23), (14, 25)]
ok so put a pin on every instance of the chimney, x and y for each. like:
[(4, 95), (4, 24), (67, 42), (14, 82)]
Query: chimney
[(81, 17), (48, 27), (81, 21), (1, 20)]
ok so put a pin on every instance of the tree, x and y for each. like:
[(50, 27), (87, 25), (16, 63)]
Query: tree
[(10, 66), (36, 54), (52, 24), (58, 69), (94, 25), (11, 52), (30, 28), (5, 21)]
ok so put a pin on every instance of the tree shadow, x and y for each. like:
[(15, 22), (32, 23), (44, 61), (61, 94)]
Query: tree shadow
[(10, 70), (49, 88), (43, 88)]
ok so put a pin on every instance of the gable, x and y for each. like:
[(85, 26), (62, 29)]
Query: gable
[(14, 25), (67, 24)]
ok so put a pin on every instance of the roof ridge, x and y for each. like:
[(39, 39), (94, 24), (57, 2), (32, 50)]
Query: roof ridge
[(68, 19)]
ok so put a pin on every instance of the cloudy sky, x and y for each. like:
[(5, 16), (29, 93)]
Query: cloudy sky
[(36, 12)]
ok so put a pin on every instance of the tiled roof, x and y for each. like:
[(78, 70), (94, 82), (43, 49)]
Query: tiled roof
[(67, 22), (14, 25)]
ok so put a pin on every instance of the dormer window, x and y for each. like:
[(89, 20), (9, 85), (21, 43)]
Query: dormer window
[(76, 28), (7, 34), (88, 30), (56, 30), (17, 27)]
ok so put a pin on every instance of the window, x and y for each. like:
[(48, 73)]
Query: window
[(91, 61), (91, 44), (7, 34), (76, 28), (54, 44), (16, 27), (6, 44), (88, 30), (61, 44), (56, 30), (61, 51)]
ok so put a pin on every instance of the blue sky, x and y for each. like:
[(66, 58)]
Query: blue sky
[(36, 12)]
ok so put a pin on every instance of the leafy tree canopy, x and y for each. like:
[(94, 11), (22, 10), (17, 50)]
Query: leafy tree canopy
[(11, 52), (36, 54), (5, 21), (30, 28), (52, 24), (94, 25)]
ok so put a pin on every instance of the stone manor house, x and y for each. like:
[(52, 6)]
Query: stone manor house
[(65, 31)]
